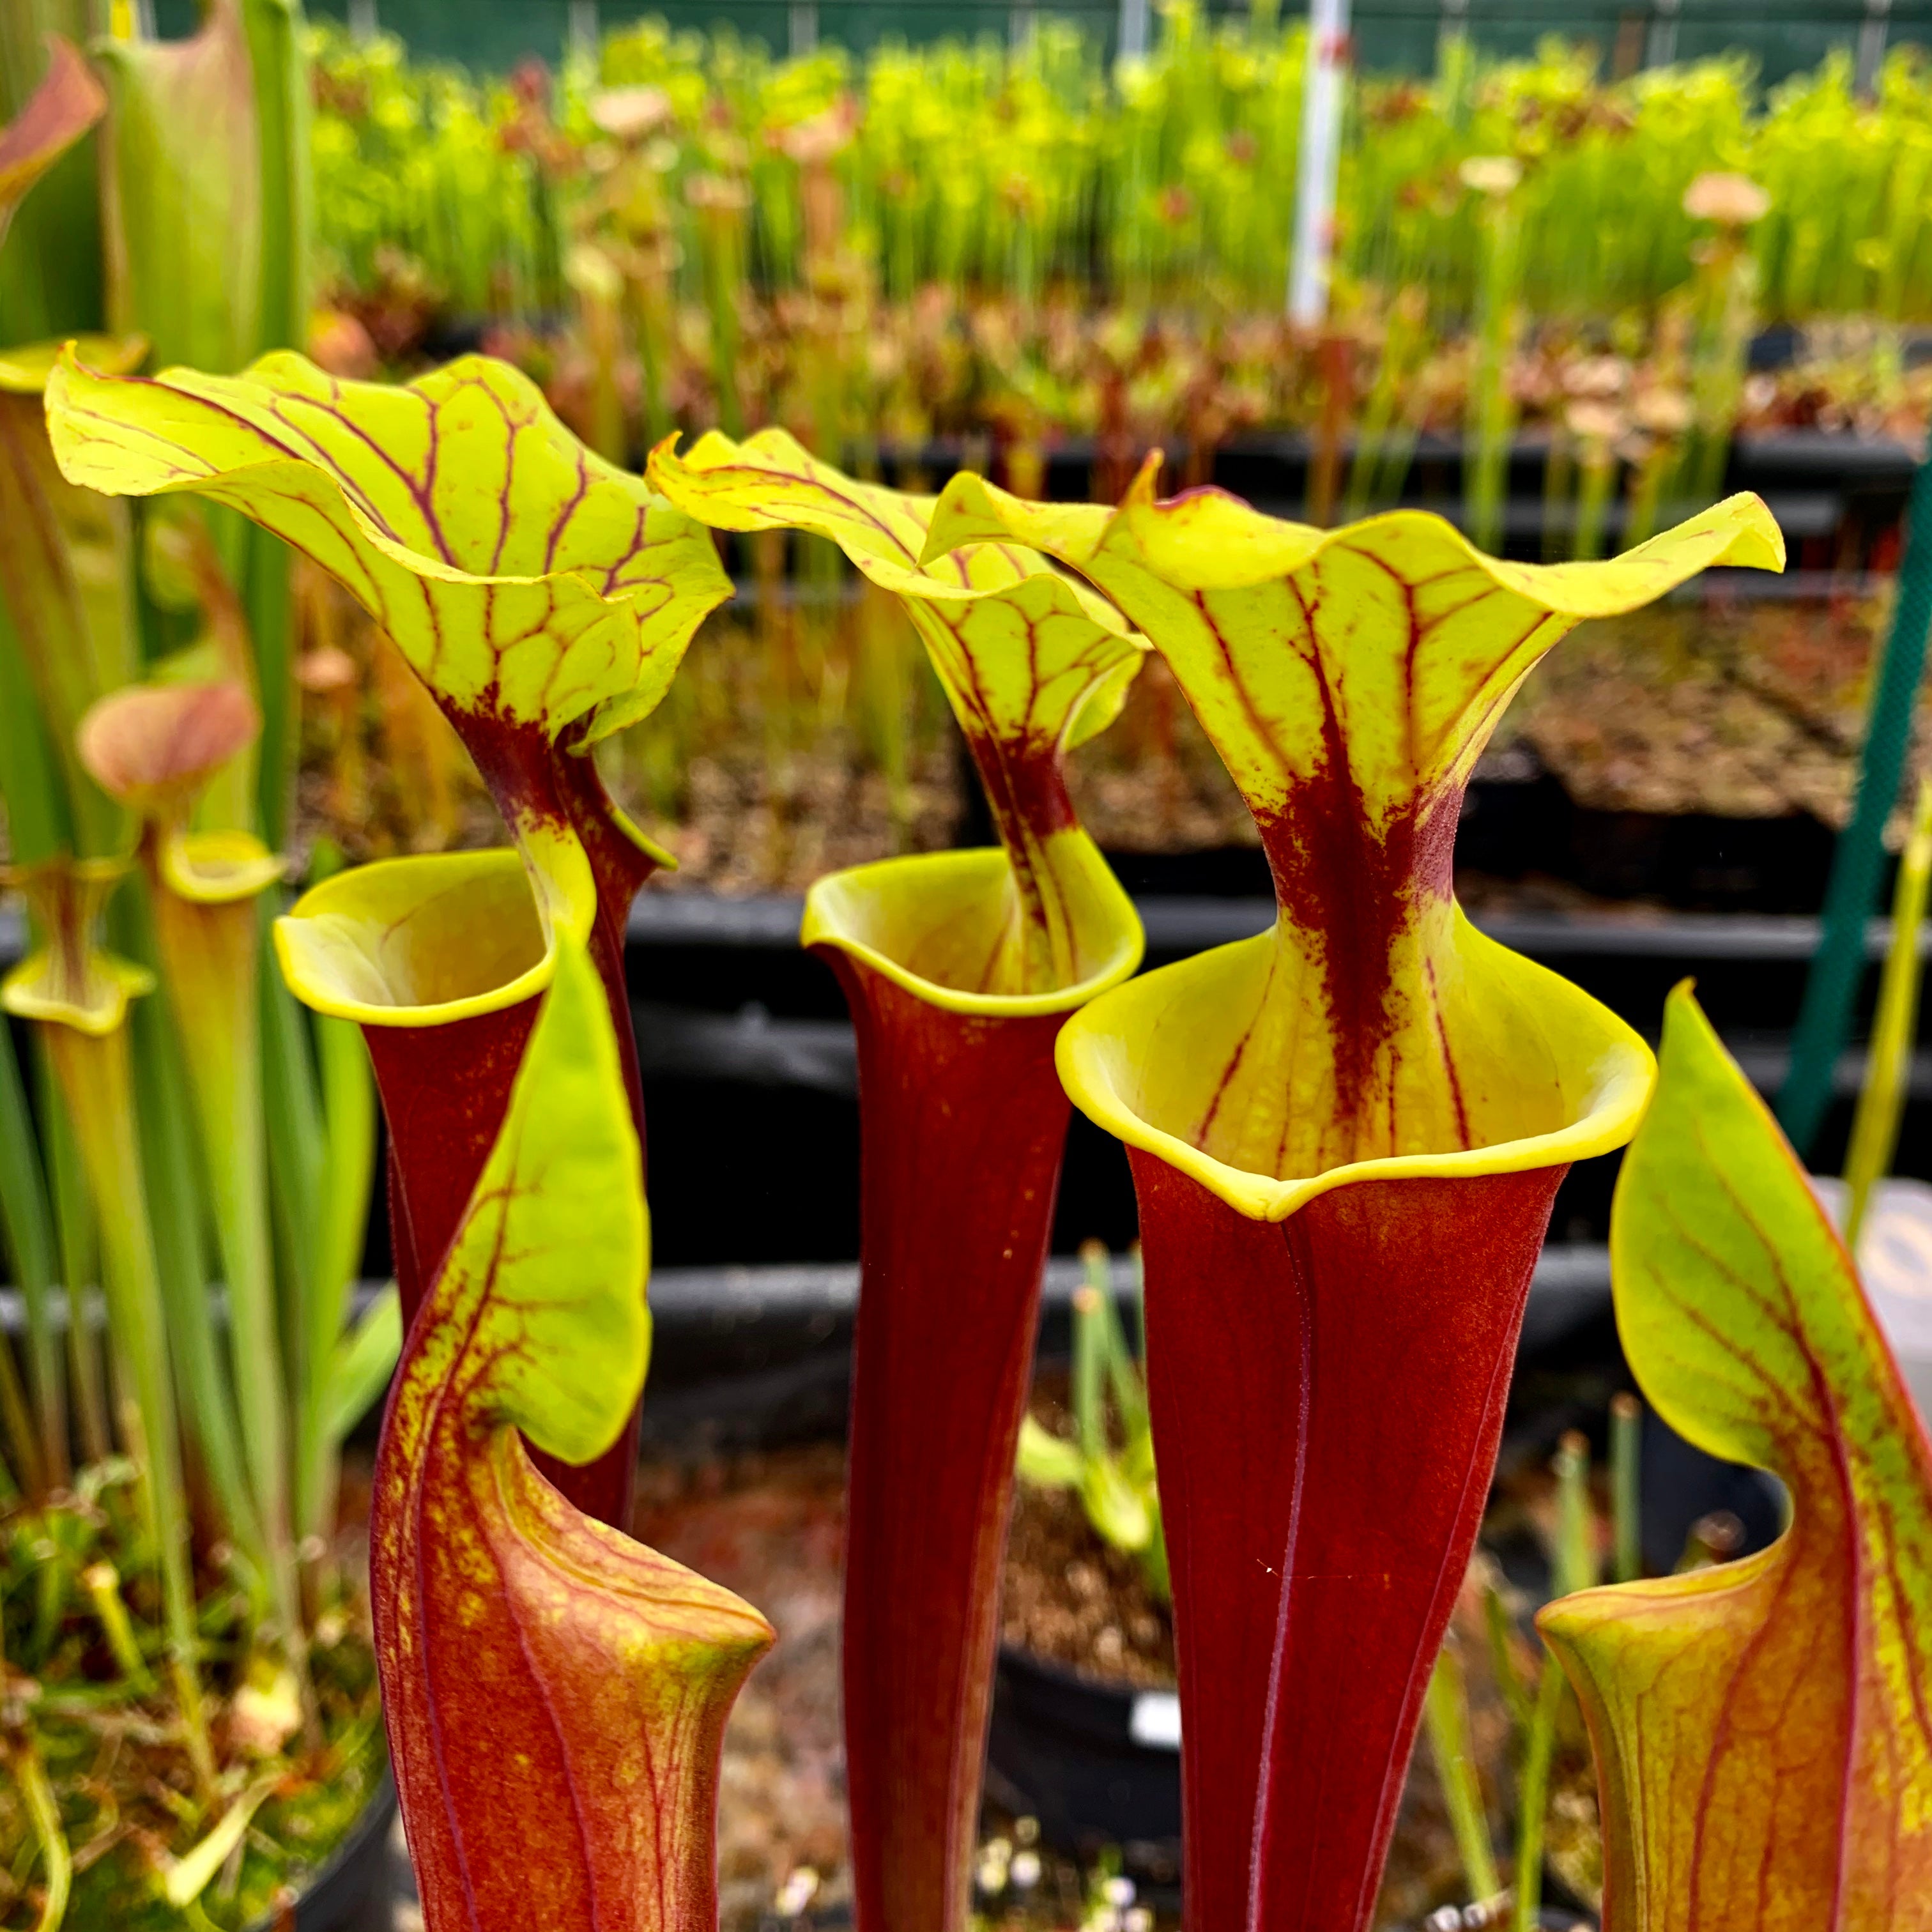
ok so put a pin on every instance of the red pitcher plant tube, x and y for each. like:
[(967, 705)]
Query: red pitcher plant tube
[(556, 1694), (545, 598), (960, 969), (1345, 1133)]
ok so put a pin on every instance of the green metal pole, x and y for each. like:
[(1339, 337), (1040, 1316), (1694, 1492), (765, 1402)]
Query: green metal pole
[(1858, 863)]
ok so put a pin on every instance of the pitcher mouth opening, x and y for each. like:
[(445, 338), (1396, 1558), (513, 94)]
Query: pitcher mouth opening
[(420, 941), (1547, 1075), (934, 923)]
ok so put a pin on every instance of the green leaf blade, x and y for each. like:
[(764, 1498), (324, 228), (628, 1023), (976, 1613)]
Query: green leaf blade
[(542, 1285), (1763, 1728), (523, 577), (1047, 1461), (365, 1359)]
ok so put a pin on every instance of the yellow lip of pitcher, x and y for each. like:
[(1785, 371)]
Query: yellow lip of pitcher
[(932, 923), (418, 941), (1560, 1077), (70, 980)]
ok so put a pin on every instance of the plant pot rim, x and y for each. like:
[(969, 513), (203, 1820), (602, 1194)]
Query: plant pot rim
[(1053, 1669), (1141, 1720)]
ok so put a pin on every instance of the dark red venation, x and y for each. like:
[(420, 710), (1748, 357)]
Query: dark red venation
[(963, 1122), (542, 1784), (1335, 875), (531, 777), (445, 1089), (1025, 786), (1327, 1396)]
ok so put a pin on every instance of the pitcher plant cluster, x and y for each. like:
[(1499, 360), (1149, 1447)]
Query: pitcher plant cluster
[(1020, 259), (1345, 1133)]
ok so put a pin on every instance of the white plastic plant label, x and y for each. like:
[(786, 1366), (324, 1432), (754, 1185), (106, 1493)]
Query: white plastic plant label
[(1155, 1720)]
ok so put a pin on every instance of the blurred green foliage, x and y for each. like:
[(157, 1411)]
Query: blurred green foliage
[(1018, 167)]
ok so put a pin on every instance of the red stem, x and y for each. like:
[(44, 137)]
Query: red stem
[(963, 1123), (445, 1089), (1327, 1396), (530, 777)]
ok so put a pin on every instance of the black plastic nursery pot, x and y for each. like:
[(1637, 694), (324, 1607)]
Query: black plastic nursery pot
[(354, 1890), (1097, 1763)]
